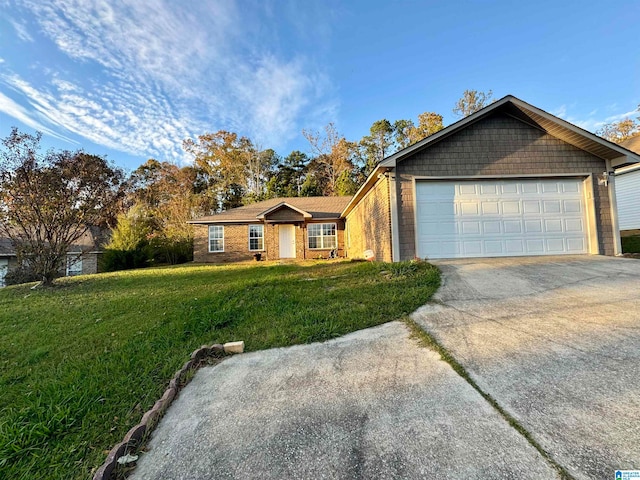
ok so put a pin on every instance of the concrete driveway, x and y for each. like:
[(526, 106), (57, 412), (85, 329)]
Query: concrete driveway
[(373, 404), (556, 342)]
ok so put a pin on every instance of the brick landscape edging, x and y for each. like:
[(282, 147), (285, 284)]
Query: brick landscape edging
[(133, 438)]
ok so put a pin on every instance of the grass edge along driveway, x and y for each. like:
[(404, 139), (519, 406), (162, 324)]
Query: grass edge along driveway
[(81, 362)]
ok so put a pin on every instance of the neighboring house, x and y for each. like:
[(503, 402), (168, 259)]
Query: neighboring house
[(508, 180), (628, 191), (82, 257), (280, 228), (7, 259)]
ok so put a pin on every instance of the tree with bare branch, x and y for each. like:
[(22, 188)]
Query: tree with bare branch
[(49, 201), (333, 156)]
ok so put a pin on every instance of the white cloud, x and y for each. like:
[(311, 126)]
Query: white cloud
[(149, 74), (622, 116), (14, 110), (21, 30), (591, 121), (561, 111)]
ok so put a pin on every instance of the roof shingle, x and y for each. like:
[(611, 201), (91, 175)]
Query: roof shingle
[(318, 207), (632, 144)]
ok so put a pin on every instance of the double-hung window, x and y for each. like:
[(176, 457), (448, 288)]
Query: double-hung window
[(74, 264), (216, 238), (256, 237), (322, 236)]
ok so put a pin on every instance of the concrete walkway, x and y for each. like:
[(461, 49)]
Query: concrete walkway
[(372, 404), (556, 341)]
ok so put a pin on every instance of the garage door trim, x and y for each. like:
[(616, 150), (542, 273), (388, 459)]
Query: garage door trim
[(587, 179)]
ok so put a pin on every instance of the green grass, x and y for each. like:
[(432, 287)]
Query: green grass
[(81, 363), (631, 244)]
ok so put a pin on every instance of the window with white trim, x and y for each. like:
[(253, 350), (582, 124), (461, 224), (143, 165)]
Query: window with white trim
[(216, 238), (74, 264), (322, 236), (256, 237)]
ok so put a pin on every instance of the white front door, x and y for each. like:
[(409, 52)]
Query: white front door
[(287, 241), (500, 218), (4, 266)]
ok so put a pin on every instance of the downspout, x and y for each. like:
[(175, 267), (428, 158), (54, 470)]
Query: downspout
[(393, 206), (613, 205)]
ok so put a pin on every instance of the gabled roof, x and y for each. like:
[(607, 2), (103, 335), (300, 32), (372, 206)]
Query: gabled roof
[(317, 208), (510, 105), (262, 215)]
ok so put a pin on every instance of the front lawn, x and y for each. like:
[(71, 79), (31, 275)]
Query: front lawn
[(81, 363)]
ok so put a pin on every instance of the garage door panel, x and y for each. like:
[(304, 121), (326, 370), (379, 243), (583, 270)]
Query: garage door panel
[(467, 189), (493, 247), (576, 245), (488, 189), (570, 187), (470, 228), (553, 225), (509, 188), (533, 226), (511, 208), (514, 246), (490, 208), (572, 206), (531, 206), (573, 225), (535, 246), (472, 248), (500, 218), (427, 209), (491, 227), (551, 206), (512, 226)]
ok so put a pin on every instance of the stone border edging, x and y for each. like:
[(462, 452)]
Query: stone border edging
[(135, 435)]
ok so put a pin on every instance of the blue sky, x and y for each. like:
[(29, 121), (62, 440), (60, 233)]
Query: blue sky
[(131, 80)]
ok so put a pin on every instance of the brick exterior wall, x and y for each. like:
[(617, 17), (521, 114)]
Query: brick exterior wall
[(236, 243), (90, 263), (498, 145), (369, 224)]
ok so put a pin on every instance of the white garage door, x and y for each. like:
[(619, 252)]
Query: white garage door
[(500, 218)]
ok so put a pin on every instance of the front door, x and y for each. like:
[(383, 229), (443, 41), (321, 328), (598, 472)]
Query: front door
[(287, 241)]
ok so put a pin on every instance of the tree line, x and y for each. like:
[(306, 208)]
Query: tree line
[(49, 201)]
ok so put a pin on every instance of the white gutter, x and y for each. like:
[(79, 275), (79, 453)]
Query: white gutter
[(630, 168)]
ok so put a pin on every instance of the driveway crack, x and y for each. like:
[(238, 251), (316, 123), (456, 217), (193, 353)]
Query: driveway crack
[(429, 341)]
